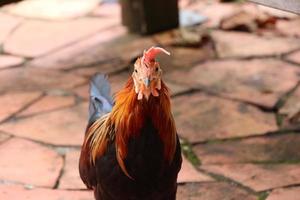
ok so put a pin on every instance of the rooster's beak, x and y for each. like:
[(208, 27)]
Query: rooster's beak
[(147, 82)]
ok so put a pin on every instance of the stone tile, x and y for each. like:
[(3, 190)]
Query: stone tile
[(263, 82), (7, 61), (62, 127), (176, 88), (228, 44), (212, 191), (259, 177), (7, 25), (12, 192), (276, 148), (28, 79), (31, 163), (15, 101), (82, 91), (118, 81), (291, 110), (91, 51), (108, 10), (130, 46), (184, 58), (23, 42), (109, 67), (294, 57), (189, 174), (289, 28), (70, 178), (214, 11), (277, 13), (4, 137), (48, 103), (286, 194), (200, 117), (52, 9)]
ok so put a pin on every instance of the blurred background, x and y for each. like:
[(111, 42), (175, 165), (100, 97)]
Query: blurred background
[(234, 74)]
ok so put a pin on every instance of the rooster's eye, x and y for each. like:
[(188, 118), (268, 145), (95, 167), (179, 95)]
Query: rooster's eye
[(135, 71), (156, 69)]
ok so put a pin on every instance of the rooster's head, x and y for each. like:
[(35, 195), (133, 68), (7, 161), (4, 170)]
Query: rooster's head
[(147, 73)]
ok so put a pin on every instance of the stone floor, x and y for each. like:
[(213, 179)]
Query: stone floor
[(235, 96)]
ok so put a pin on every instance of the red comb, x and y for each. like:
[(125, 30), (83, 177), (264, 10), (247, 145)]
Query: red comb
[(150, 54)]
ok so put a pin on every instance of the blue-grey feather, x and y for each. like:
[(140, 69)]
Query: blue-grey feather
[(101, 101)]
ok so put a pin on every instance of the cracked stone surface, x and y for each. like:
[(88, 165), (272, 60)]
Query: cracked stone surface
[(289, 28), (276, 148), (70, 178), (291, 110), (228, 44), (294, 57), (286, 194), (212, 191), (227, 95), (48, 103), (7, 24), (263, 83), (200, 117), (51, 9), (15, 101), (188, 173), (90, 51), (3, 137), (10, 61), (33, 79), (55, 127), (259, 177), (19, 168), (23, 42), (9, 192)]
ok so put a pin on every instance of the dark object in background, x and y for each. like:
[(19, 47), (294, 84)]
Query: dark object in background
[(4, 2), (150, 16)]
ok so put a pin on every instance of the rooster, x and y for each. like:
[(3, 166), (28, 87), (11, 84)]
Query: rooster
[(131, 149)]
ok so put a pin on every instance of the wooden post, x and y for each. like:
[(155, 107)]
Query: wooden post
[(149, 16)]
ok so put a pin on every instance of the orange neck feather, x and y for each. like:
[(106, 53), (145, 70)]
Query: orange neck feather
[(129, 114)]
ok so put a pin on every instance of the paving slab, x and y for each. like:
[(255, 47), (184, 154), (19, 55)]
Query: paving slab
[(277, 13), (259, 177), (214, 11), (62, 127), (291, 110), (184, 58), (31, 163), (70, 178), (200, 117), (51, 9), (285, 193), (263, 83), (228, 44), (276, 148), (34, 79), (188, 173), (7, 25), (91, 51), (294, 57), (106, 67), (53, 35), (212, 191), (13, 192), (48, 103), (111, 10), (7, 61), (289, 27), (4, 137), (15, 101)]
